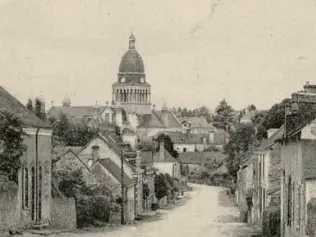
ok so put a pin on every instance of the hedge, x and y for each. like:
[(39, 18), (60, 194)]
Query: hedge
[(271, 222)]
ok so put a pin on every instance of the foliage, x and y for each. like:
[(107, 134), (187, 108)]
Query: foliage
[(145, 191), (252, 107), (39, 109), (168, 144), (184, 169), (72, 134), (29, 105), (161, 186), (271, 222), (311, 218), (202, 111), (11, 145), (224, 115), (239, 144)]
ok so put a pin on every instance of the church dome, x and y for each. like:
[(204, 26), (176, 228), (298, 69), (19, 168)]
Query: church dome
[(132, 62)]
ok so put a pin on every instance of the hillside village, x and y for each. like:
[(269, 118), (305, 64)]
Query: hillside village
[(70, 166)]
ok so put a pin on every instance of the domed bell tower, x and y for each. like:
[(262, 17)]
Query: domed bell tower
[(131, 89)]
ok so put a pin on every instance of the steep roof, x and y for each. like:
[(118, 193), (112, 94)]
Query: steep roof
[(146, 157), (198, 122), (74, 111), (9, 104), (115, 170), (167, 158), (201, 157), (266, 144), (222, 170), (185, 138), (160, 119)]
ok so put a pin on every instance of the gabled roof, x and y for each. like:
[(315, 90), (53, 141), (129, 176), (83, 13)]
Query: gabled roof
[(160, 119), (222, 170), (74, 111), (185, 138), (146, 157), (9, 104), (167, 158), (202, 157), (266, 144), (198, 122), (128, 131), (115, 170), (111, 142)]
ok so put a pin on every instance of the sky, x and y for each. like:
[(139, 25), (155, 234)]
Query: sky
[(196, 52)]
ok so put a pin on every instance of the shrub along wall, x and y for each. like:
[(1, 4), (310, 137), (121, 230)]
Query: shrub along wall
[(271, 222), (311, 217)]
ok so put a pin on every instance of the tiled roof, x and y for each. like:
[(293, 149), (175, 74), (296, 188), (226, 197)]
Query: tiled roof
[(74, 111), (167, 158), (9, 104), (185, 138), (146, 157), (201, 157), (266, 144), (155, 120), (116, 171), (198, 122), (222, 170)]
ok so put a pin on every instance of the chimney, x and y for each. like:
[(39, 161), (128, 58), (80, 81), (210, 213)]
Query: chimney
[(161, 151), (95, 152)]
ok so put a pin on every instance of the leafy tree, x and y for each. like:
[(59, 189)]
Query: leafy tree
[(168, 144), (252, 107), (29, 104), (39, 109), (161, 186), (11, 145), (224, 115), (240, 143)]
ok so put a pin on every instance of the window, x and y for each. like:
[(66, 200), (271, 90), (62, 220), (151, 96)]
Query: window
[(184, 149), (33, 192), (107, 118), (26, 187), (289, 201)]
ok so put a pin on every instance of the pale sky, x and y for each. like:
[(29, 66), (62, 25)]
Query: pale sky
[(196, 52)]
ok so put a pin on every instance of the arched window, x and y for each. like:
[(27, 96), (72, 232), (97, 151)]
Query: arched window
[(26, 187), (33, 192)]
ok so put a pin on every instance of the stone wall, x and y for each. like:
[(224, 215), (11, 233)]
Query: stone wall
[(9, 207), (63, 214)]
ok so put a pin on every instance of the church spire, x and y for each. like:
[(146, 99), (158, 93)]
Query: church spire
[(132, 41)]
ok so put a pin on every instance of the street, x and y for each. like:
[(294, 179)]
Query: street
[(209, 212)]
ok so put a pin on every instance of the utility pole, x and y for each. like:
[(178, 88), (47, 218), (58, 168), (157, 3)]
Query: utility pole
[(122, 189)]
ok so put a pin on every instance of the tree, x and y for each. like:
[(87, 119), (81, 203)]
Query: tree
[(252, 107), (39, 109), (168, 144), (161, 186), (11, 145), (240, 143), (29, 104), (224, 115)]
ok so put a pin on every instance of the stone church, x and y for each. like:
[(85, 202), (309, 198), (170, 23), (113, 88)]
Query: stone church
[(131, 109)]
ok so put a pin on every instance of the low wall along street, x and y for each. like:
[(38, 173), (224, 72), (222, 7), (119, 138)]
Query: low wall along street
[(9, 208), (63, 214)]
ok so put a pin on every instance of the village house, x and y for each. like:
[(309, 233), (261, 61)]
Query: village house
[(31, 204), (267, 179), (147, 164), (298, 183), (245, 188), (100, 162), (166, 163), (196, 125), (186, 142)]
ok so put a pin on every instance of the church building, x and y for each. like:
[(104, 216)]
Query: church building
[(131, 109)]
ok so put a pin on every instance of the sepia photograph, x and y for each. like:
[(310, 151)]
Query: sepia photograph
[(140, 118)]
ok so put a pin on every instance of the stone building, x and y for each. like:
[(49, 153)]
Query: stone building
[(34, 178), (131, 109)]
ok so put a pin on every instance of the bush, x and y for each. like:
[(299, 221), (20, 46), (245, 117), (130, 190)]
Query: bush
[(271, 222), (311, 217), (93, 211)]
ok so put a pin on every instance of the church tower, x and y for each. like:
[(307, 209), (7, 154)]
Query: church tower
[(131, 89)]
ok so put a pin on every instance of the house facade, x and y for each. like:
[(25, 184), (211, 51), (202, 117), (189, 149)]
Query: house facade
[(298, 179), (33, 199)]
